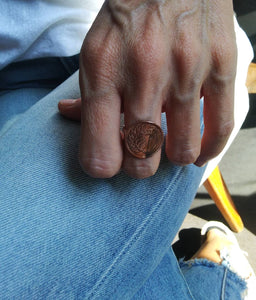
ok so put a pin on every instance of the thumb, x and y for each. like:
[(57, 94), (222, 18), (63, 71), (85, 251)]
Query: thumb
[(70, 108)]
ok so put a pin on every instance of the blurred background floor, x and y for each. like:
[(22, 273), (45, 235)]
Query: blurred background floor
[(238, 166)]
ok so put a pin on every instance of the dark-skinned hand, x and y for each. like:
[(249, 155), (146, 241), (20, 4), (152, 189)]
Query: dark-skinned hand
[(143, 57)]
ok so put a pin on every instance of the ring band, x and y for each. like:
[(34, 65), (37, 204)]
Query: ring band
[(143, 139)]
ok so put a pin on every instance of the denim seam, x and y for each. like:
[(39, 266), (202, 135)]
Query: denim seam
[(182, 275), (228, 274), (130, 243), (198, 262), (224, 284)]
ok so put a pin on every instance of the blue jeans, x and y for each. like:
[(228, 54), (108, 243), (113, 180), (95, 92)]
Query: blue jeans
[(64, 235)]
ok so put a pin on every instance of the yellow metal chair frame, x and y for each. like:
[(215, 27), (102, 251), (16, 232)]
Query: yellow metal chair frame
[(215, 184)]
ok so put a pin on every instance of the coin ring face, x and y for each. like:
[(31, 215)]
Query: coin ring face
[(143, 139)]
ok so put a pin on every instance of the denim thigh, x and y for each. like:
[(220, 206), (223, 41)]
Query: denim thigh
[(65, 235)]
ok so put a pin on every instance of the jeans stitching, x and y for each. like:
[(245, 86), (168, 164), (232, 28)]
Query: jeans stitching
[(132, 240), (224, 284)]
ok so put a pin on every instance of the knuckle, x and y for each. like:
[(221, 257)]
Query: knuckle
[(98, 72), (224, 52), (224, 62), (147, 56), (184, 96), (216, 140), (98, 52), (184, 158), (223, 132), (140, 169), (188, 56), (91, 48), (189, 69), (98, 168)]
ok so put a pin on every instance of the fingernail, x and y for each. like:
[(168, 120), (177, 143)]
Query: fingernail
[(67, 101), (200, 162)]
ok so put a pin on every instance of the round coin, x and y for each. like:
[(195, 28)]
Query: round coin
[(143, 139)]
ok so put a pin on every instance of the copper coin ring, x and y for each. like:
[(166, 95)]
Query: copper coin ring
[(143, 139)]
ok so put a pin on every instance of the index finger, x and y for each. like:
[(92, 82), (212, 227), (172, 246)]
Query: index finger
[(100, 145)]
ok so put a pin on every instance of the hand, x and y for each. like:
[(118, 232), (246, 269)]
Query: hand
[(143, 57)]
